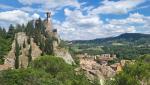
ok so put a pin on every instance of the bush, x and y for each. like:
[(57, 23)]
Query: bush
[(59, 70), (134, 74), (46, 70), (24, 77)]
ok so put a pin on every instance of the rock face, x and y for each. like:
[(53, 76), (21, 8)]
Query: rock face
[(63, 53), (24, 51), (23, 39)]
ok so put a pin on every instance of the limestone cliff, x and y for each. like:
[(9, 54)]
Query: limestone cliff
[(22, 38), (46, 42), (63, 53)]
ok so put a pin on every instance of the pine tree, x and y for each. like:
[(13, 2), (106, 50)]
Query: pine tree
[(17, 53), (49, 46), (18, 28), (23, 28), (11, 32), (30, 55), (29, 28), (42, 45), (2, 32)]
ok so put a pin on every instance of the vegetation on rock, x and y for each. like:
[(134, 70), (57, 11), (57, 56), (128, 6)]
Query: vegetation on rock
[(17, 53), (30, 55), (46, 70), (5, 44)]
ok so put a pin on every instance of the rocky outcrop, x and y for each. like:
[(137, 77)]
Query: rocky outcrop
[(58, 51), (22, 38), (63, 53)]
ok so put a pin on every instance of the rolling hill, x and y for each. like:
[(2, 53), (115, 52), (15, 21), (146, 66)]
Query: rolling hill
[(126, 38)]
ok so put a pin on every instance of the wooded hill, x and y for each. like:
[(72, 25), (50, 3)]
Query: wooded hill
[(126, 38), (128, 45)]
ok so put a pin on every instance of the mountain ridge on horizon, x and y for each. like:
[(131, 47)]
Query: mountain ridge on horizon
[(126, 38), (121, 35)]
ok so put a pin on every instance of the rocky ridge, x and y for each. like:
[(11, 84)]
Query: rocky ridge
[(22, 38)]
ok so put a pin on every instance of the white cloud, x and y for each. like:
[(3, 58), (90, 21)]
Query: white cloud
[(78, 26), (3, 6), (134, 23), (118, 7), (35, 16), (135, 18), (15, 17), (52, 4)]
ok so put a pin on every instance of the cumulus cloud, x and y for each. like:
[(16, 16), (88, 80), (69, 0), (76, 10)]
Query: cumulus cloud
[(118, 7), (3, 7), (78, 26), (134, 23), (15, 17), (35, 16), (135, 18), (52, 4)]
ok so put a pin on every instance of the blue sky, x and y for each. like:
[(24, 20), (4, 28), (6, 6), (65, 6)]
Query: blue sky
[(81, 19)]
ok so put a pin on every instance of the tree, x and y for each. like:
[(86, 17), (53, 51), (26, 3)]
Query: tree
[(11, 32), (42, 45), (60, 71), (134, 74), (30, 55), (26, 76), (29, 28), (49, 46), (18, 28), (2, 32), (5, 44), (17, 53), (45, 70)]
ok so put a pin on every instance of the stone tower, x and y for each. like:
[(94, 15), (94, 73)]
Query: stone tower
[(50, 30), (48, 23)]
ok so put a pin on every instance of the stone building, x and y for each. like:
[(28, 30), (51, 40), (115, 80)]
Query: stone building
[(58, 51), (50, 30), (48, 23)]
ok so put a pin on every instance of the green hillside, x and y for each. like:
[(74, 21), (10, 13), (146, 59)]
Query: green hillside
[(126, 38), (46, 70), (128, 45)]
